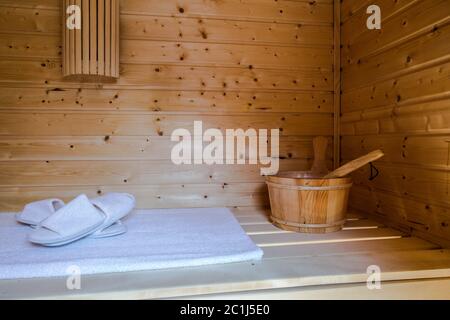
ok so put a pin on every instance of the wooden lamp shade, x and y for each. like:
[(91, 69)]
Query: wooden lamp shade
[(91, 53)]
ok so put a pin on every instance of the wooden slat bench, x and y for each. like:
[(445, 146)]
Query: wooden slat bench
[(294, 266)]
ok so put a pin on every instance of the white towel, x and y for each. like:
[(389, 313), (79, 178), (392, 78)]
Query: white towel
[(156, 239)]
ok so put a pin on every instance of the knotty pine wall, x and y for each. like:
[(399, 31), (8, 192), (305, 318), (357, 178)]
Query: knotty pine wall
[(230, 63), (395, 96)]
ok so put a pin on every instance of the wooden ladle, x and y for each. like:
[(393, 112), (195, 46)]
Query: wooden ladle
[(355, 164)]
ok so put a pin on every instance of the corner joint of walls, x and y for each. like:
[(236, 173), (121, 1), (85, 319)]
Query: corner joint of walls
[(337, 84)]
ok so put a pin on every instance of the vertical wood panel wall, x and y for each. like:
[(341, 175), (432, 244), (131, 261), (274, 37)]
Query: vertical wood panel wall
[(230, 63), (396, 90)]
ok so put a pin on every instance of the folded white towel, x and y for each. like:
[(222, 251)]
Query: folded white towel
[(156, 239)]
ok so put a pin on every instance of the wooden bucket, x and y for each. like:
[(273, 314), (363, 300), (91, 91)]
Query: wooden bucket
[(302, 203)]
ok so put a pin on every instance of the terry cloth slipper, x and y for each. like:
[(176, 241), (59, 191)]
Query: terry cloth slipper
[(117, 228), (81, 218), (115, 206), (35, 212)]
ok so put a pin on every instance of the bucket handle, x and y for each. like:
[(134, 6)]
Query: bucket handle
[(373, 172)]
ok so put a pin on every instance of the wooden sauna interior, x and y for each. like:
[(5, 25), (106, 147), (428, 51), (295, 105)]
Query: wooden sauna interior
[(309, 68)]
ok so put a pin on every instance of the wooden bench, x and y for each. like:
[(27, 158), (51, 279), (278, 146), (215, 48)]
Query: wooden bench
[(294, 266)]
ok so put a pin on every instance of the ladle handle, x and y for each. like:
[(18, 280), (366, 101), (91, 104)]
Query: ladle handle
[(319, 166), (355, 164)]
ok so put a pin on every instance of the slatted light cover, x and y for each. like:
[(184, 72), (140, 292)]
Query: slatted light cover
[(91, 52)]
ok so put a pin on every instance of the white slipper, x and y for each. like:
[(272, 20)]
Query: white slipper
[(35, 212), (117, 228), (81, 218), (115, 206)]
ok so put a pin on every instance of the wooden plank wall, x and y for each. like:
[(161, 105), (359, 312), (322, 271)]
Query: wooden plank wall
[(230, 63), (395, 96)]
